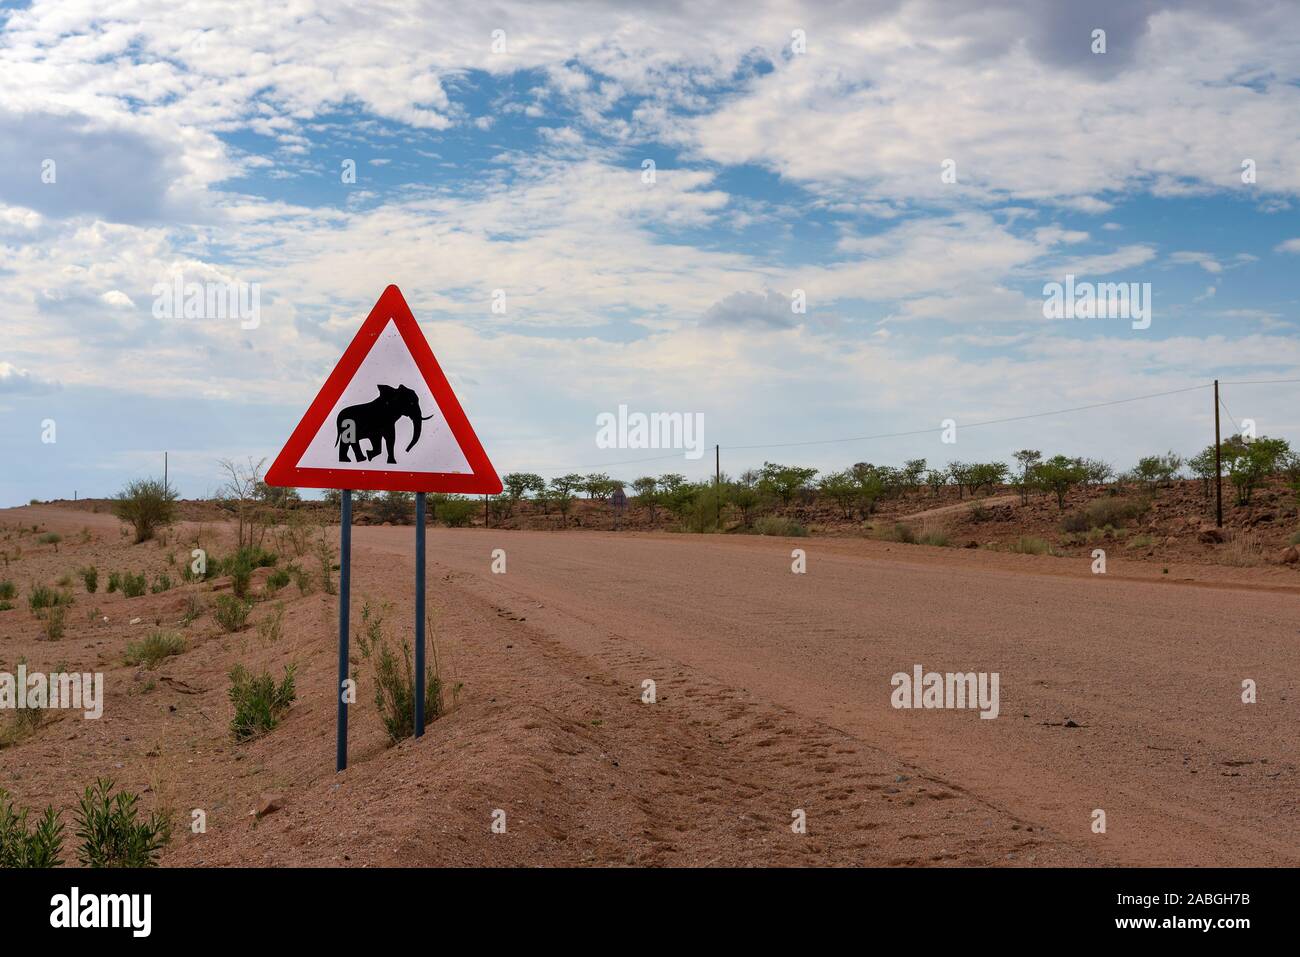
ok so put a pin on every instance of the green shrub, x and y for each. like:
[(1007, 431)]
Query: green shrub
[(231, 612), (1030, 545), (904, 533), (457, 512), (161, 583), (90, 578), (53, 625), (277, 580), (145, 504), (395, 677), (133, 586), (270, 628), (259, 702), (114, 582), (8, 591), (43, 596), (933, 536), (1108, 510), (6, 606), (21, 846), (1294, 540), (153, 648), (110, 832), (302, 578), (241, 574), (778, 525), (51, 538), (193, 608)]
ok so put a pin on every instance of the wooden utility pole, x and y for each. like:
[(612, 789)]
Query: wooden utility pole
[(165, 475), (1218, 466), (717, 484)]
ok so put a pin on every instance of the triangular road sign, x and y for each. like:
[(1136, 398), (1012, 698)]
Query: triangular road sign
[(386, 419)]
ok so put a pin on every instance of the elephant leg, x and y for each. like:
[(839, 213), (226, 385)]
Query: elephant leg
[(357, 453), (376, 446), (343, 449), (390, 436)]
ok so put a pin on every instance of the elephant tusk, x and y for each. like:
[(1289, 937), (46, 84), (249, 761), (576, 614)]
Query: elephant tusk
[(426, 418)]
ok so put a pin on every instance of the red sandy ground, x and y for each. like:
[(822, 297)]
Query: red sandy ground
[(773, 695)]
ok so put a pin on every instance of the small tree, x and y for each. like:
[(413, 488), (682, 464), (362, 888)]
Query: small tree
[(239, 495), (1058, 475), (647, 494), (1250, 462), (562, 493), (1028, 460), (519, 484), (841, 488), (785, 481), (145, 504), (1203, 466)]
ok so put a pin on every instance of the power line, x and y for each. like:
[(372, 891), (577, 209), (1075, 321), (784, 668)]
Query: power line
[(973, 425), (931, 431)]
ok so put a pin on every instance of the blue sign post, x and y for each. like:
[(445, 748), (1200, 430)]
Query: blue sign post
[(419, 614), (345, 586)]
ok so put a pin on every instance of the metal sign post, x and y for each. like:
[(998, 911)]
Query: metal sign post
[(345, 586), (419, 614)]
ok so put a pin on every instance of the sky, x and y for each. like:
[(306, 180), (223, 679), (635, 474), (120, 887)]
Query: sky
[(647, 192)]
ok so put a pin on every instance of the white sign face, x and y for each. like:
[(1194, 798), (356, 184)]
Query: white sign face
[(374, 423)]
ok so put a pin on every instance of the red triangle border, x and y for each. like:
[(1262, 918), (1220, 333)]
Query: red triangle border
[(284, 471)]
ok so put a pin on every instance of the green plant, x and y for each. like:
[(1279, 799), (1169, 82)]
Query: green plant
[(777, 525), (301, 578), (231, 612), (111, 833), (8, 591), (325, 552), (21, 846), (53, 625), (51, 538), (43, 596), (270, 628), (133, 586), (90, 578), (933, 536), (1030, 545), (904, 533), (395, 677), (1108, 510), (114, 582), (193, 608), (145, 504), (259, 702), (153, 648), (457, 512), (277, 580), (161, 583)]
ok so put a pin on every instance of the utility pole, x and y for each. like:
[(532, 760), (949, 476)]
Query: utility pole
[(486, 524), (717, 484), (165, 475), (1218, 466)]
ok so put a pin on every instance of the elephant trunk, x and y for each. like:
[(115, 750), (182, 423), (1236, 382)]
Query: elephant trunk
[(417, 423)]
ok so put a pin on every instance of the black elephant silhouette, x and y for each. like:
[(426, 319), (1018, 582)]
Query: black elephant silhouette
[(376, 420)]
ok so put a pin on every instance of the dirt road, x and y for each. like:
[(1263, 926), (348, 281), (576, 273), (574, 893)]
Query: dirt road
[(1119, 693), (1151, 672)]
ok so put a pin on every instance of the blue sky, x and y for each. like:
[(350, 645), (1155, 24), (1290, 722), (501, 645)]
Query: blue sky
[(209, 142)]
